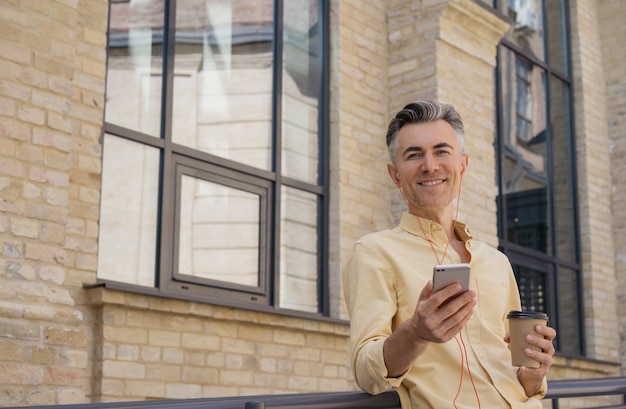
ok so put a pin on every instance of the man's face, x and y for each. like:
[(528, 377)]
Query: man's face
[(429, 165)]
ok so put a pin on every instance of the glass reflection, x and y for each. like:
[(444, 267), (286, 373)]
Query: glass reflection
[(223, 79), (533, 287), (301, 88), (134, 67), (557, 40), (219, 232), (128, 212), (563, 185), (528, 30), (525, 172), (569, 311), (298, 251)]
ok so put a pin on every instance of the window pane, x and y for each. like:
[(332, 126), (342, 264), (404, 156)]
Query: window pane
[(569, 311), (563, 185), (301, 87), (298, 251), (525, 171), (134, 67), (219, 232), (557, 40), (527, 31), (128, 212), (223, 79), (533, 287)]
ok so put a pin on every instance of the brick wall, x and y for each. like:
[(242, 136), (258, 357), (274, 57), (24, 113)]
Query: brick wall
[(594, 170), (150, 348), (51, 97), (359, 119), (612, 15)]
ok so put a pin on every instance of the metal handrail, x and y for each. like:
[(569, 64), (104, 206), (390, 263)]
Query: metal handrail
[(557, 389), (588, 387)]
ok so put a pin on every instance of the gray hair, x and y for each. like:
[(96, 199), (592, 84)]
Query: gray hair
[(424, 111)]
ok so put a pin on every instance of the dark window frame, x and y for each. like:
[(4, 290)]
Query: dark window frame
[(177, 160), (546, 265)]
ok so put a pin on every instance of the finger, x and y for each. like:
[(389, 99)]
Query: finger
[(453, 301), (547, 332), (544, 344)]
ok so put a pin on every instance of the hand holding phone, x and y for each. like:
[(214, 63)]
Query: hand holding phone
[(446, 274)]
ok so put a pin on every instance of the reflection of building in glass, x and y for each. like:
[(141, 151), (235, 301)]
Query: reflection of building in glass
[(526, 14), (538, 199), (222, 105)]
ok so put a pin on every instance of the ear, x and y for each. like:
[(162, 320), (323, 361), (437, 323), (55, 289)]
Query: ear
[(464, 164), (393, 173)]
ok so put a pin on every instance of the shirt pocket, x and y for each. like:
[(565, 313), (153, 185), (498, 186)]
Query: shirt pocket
[(492, 304)]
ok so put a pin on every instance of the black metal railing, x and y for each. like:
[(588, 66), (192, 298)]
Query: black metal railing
[(580, 388), (557, 389)]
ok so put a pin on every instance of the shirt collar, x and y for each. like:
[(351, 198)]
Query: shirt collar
[(432, 230)]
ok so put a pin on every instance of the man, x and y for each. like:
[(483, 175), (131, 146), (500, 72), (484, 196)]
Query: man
[(436, 349)]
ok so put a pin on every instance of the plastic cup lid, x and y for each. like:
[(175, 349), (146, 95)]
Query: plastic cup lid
[(528, 314)]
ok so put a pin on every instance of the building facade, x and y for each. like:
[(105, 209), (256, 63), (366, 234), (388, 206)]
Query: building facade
[(180, 181)]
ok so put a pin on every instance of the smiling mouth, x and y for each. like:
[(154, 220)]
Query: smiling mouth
[(432, 182)]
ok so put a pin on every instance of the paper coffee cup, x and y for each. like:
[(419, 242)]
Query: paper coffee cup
[(522, 323)]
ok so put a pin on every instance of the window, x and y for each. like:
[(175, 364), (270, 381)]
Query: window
[(537, 207), (215, 152)]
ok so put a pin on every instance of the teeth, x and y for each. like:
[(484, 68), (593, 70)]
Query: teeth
[(431, 183)]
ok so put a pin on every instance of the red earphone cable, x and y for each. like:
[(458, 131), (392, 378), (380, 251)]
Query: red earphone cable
[(461, 343)]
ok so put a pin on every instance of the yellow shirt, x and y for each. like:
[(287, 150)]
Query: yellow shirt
[(383, 278)]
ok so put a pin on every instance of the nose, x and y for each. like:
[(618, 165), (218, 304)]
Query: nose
[(429, 163)]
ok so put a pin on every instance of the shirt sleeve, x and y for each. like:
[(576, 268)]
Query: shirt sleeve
[(372, 304), (541, 393)]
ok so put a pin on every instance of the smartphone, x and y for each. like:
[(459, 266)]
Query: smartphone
[(446, 274)]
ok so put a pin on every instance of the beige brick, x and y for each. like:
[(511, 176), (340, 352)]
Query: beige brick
[(40, 312), (145, 388), (24, 227), (13, 52), (233, 377), (52, 233), (124, 334), (41, 395), (182, 391), (193, 357), (12, 351), (200, 375), (150, 354), (74, 358), (113, 387), (58, 375), (303, 383), (165, 338), (20, 374), (288, 337), (65, 336), (128, 352), (163, 372), (69, 396), (86, 262), (123, 370)]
